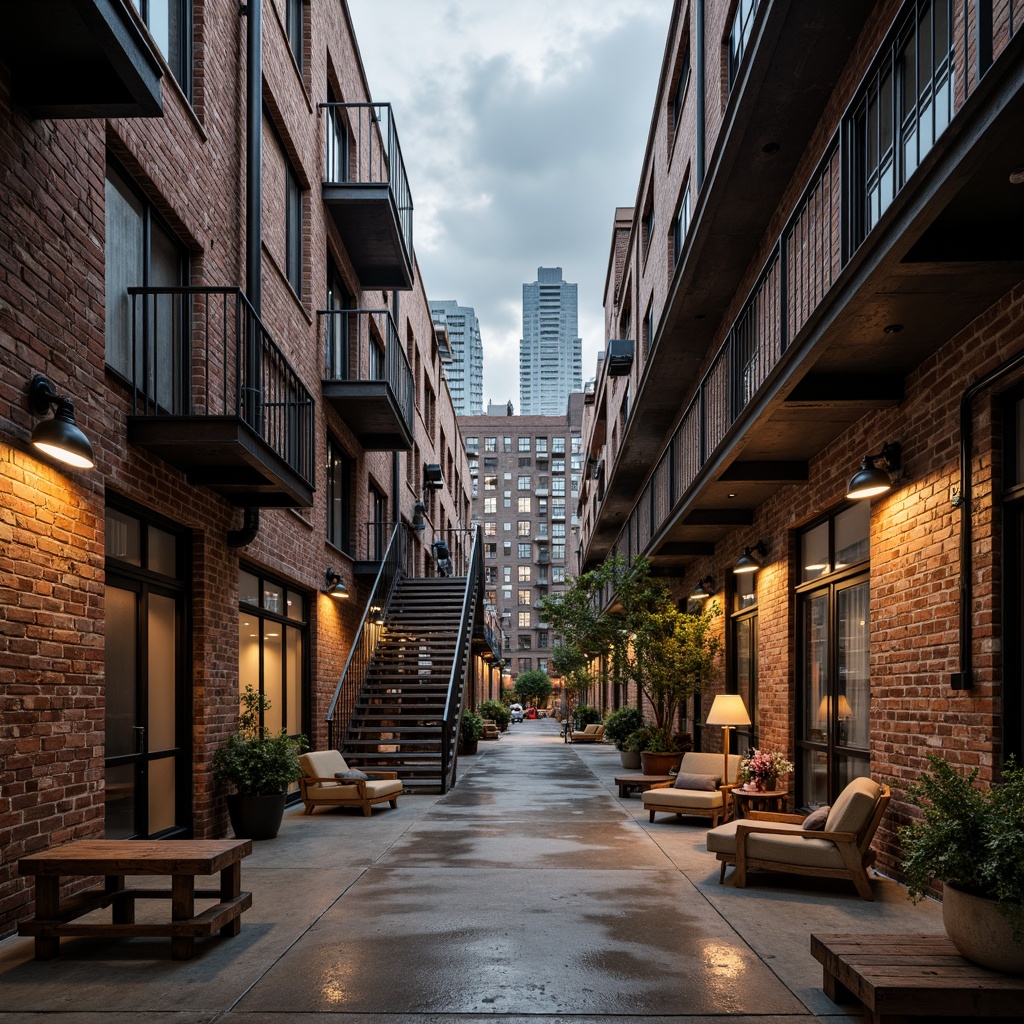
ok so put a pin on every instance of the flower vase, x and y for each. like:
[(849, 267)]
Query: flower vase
[(770, 783)]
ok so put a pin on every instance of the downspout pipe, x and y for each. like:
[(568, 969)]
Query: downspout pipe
[(699, 18), (253, 11), (964, 679)]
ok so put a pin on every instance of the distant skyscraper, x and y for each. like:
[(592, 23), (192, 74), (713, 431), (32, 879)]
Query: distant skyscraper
[(464, 371), (550, 353)]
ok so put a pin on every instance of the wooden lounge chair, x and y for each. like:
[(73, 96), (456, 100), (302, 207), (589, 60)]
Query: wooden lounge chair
[(591, 734), (491, 730), (320, 785), (779, 842), (679, 799)]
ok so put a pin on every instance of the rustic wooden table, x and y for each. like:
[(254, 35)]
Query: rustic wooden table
[(638, 783), (762, 800), (900, 976), (114, 859)]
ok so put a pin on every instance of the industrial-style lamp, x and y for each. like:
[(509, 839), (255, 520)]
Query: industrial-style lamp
[(872, 479), (59, 438), (418, 521), (727, 710), (334, 586), (705, 587), (747, 562)]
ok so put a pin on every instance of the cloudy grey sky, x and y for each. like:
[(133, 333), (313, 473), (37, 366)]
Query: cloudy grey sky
[(523, 125)]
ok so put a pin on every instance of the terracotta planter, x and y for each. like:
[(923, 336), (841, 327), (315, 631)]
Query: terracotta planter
[(256, 817), (630, 758), (977, 929), (659, 764)]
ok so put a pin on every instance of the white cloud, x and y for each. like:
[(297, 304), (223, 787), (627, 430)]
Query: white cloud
[(523, 125)]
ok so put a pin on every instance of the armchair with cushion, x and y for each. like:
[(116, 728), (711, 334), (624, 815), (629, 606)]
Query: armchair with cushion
[(491, 730), (591, 734), (698, 789), (326, 780), (781, 842)]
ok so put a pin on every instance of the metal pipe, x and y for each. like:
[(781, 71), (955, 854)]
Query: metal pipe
[(699, 18), (254, 153)]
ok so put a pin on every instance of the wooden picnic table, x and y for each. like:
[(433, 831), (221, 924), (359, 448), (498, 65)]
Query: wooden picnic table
[(114, 859), (896, 977)]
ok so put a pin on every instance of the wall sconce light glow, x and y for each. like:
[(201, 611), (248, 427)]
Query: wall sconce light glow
[(748, 562), (703, 590), (60, 437), (871, 479), (334, 586)]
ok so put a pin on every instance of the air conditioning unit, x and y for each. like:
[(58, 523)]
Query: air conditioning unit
[(619, 357)]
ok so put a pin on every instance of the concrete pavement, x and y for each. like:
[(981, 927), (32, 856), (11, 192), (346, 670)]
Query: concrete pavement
[(530, 890)]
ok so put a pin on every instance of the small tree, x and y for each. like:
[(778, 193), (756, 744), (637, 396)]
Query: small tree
[(534, 686)]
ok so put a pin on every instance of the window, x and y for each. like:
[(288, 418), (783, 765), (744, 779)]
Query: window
[(524, 504), (491, 550), (542, 639), (558, 486), (558, 574), (490, 444), (339, 497), (557, 508), (490, 529), (542, 446), (577, 444), (379, 526), (523, 528), (542, 664), (473, 445), (558, 552), (524, 483), (525, 573), (558, 529), (558, 446), (524, 597), (490, 483), (739, 35), (682, 82), (507, 548), (141, 251), (681, 226), (293, 229), (542, 508), (506, 443), (833, 679), (525, 550), (293, 23), (524, 620), (744, 668), (525, 641), (647, 226), (524, 445), (490, 506), (507, 527), (170, 24), (506, 593), (1013, 577), (558, 465), (525, 664), (647, 330)]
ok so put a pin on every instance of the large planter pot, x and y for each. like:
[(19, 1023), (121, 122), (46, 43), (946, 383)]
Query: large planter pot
[(256, 817), (468, 746), (977, 929), (659, 764), (630, 758)]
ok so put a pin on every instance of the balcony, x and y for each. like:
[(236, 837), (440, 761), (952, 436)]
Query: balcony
[(367, 379), (366, 190), (79, 58), (215, 397)]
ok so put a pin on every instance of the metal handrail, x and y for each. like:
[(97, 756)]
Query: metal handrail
[(364, 644), (204, 351)]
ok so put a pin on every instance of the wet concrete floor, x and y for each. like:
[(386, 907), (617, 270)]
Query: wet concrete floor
[(529, 891)]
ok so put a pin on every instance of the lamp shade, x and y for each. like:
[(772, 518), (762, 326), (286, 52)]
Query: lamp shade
[(728, 709), (61, 439), (868, 481), (843, 709)]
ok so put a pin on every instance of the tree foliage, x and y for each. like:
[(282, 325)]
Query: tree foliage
[(533, 686)]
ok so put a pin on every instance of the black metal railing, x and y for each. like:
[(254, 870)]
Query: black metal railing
[(203, 351), (362, 148), (461, 667), (363, 345), (346, 693)]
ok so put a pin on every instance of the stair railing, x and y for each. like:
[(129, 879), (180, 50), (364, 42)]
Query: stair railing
[(457, 688), (346, 693)]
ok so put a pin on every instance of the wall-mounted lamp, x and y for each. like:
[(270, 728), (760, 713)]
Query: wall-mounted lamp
[(704, 589), (59, 438), (334, 586), (418, 521), (872, 479), (727, 710), (748, 562)]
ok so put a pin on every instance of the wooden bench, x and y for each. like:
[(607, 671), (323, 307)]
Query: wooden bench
[(902, 976), (114, 859)]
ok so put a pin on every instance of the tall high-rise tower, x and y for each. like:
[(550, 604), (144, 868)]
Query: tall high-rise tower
[(550, 353), (464, 371)]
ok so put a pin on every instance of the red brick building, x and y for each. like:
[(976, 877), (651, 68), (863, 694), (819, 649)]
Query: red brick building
[(822, 269), (206, 247)]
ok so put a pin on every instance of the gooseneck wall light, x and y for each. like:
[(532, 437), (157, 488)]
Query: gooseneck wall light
[(876, 472), (334, 586), (704, 589), (60, 437), (749, 560)]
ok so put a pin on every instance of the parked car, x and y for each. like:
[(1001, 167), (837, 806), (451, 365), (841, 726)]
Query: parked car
[(516, 711)]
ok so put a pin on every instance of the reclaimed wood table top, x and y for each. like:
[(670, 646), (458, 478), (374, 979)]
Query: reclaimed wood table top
[(136, 857)]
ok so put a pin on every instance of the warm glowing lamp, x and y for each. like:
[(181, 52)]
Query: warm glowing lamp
[(727, 710)]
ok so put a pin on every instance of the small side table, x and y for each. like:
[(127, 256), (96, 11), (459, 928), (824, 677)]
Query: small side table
[(640, 783), (758, 800)]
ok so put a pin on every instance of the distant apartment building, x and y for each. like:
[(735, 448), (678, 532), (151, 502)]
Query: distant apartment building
[(550, 351), (526, 473), (464, 366)]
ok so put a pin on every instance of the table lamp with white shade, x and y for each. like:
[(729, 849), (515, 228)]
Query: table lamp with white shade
[(727, 711)]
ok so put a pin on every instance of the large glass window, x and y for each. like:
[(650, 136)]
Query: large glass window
[(339, 497), (293, 18), (293, 229), (744, 656), (141, 251), (834, 671), (272, 643), (1013, 588), (170, 24)]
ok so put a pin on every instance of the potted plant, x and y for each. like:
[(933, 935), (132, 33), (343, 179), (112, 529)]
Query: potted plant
[(970, 840), (260, 766), (471, 728), (761, 769), (618, 727), (496, 712)]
